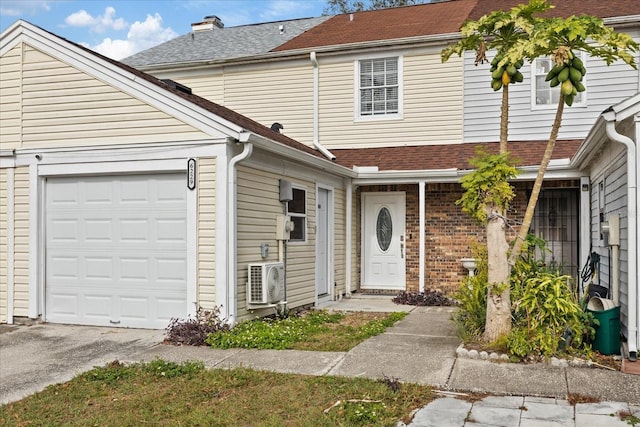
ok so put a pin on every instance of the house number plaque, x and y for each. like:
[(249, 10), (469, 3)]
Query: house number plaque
[(191, 174)]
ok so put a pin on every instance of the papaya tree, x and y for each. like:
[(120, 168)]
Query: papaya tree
[(517, 36), (562, 39), (487, 188)]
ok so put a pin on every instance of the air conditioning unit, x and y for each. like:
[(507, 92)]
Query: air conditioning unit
[(266, 283)]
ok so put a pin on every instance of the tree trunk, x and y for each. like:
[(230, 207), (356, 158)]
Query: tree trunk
[(504, 119), (537, 186), (498, 320)]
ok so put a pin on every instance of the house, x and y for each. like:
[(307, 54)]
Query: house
[(127, 200), (368, 90), (384, 132)]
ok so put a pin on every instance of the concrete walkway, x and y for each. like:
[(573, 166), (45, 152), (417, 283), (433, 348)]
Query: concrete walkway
[(419, 349)]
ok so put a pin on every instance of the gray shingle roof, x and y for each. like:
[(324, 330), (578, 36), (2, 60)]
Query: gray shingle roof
[(223, 43)]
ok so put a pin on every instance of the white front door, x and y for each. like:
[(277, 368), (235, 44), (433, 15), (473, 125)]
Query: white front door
[(383, 241), (323, 276)]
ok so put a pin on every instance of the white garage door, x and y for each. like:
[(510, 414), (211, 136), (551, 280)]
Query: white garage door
[(116, 250)]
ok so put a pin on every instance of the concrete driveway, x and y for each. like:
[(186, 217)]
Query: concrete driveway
[(32, 357)]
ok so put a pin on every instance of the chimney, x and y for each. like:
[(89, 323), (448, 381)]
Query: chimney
[(208, 23)]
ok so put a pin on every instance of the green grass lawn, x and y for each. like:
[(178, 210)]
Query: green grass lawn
[(165, 394)]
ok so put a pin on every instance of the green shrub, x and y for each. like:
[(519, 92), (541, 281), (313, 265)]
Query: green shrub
[(547, 317)]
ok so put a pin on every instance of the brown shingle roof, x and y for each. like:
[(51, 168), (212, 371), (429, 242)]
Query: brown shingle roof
[(435, 18), (453, 156), (385, 24)]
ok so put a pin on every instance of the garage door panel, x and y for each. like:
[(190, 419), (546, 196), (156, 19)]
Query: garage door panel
[(116, 250)]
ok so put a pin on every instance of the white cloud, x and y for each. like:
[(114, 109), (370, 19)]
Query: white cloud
[(141, 35), (98, 24), (21, 7)]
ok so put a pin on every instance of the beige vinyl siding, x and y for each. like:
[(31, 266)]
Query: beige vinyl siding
[(258, 205), (63, 106), (432, 106), (206, 232), (209, 86), (339, 238), (3, 245), (10, 68), (283, 95), (21, 242)]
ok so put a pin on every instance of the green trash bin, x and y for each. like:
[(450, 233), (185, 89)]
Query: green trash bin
[(607, 340)]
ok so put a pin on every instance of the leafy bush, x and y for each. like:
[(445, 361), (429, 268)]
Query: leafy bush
[(472, 298), (194, 331), (547, 317), (427, 298)]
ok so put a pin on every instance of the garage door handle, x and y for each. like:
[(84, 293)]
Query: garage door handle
[(113, 322)]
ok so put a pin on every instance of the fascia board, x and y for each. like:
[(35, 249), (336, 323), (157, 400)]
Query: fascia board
[(129, 83), (291, 153)]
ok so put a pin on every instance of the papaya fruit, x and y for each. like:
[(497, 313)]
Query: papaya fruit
[(554, 82), (554, 72), (567, 87), (569, 100), (563, 75), (580, 87), (512, 70), (497, 74), (496, 84), (518, 78), (575, 75), (505, 78)]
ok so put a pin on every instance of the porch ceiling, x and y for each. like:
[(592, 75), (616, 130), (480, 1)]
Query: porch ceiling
[(454, 156)]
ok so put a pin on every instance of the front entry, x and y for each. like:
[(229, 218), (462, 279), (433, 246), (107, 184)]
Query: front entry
[(383, 241)]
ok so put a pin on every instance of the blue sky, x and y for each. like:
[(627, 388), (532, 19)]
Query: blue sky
[(120, 28)]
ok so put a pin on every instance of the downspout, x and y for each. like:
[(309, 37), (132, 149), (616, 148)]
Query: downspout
[(11, 216), (348, 238), (632, 227), (316, 102), (232, 244)]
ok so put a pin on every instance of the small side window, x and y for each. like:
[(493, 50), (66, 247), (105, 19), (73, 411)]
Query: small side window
[(297, 210)]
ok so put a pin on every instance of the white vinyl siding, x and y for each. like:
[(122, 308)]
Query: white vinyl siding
[(431, 106), (4, 195), (10, 74), (63, 106), (339, 236), (206, 232), (258, 206), (606, 86), (282, 94), (610, 170), (21, 242)]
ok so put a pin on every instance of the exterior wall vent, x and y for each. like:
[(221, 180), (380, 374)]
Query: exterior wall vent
[(177, 86)]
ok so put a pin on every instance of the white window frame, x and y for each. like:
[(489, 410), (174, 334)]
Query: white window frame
[(304, 216), (553, 105), (358, 117)]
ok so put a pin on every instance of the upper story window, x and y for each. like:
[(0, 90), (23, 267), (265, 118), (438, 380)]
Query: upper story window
[(379, 91), (544, 95), (297, 210)]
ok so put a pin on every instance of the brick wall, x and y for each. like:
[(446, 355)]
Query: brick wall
[(449, 233)]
